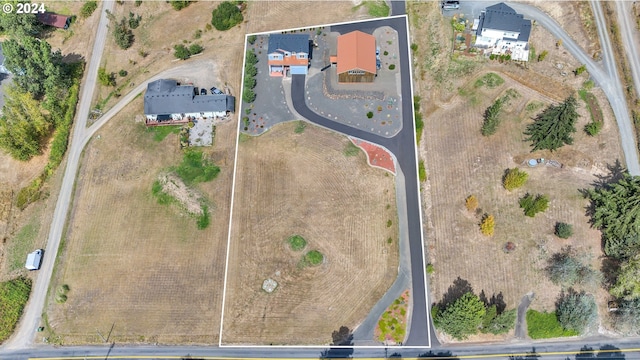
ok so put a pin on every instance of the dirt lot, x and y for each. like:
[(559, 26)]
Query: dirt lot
[(303, 184), (461, 162), (130, 261)]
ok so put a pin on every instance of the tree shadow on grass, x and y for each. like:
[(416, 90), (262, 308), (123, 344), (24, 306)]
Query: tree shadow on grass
[(340, 337), (455, 292), (497, 300), (609, 268)]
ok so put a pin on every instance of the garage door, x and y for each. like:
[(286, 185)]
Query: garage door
[(298, 70)]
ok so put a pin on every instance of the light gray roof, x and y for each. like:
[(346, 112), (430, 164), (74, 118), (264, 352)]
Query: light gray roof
[(165, 97), (289, 42), (503, 17)]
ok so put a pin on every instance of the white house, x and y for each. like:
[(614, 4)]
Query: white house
[(503, 31), (167, 102)]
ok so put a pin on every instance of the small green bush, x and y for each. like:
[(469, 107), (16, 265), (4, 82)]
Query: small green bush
[(593, 128), (414, 47), (543, 55), (389, 223), (204, 219), (297, 242), (533, 205), (248, 96), (430, 269), (313, 258), (195, 49), (563, 230), (122, 73), (300, 126), (252, 39), (422, 172), (392, 66), (88, 8), (514, 178), (370, 114), (181, 52), (179, 4)]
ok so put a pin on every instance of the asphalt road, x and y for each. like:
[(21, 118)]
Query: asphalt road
[(607, 79), (403, 147), (32, 316)]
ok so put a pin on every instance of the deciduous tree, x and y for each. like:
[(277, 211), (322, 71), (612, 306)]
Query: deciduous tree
[(226, 16)]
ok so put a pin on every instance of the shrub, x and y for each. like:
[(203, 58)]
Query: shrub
[(430, 269), (88, 8), (226, 16), (471, 203), (248, 95), (385, 53), (588, 85), (252, 39), (567, 268), (134, 21), (514, 178), (495, 323), (487, 225), (533, 205), (105, 78), (492, 118), (249, 82), (195, 49), (389, 223), (414, 47), (392, 66), (297, 242), (122, 73), (179, 4), (563, 230), (198, 34), (313, 257), (123, 35), (593, 128), (204, 219), (300, 126), (543, 55), (370, 114), (579, 70), (181, 52), (422, 172), (576, 311)]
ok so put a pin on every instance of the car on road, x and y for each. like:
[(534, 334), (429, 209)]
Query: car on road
[(450, 5), (34, 260)]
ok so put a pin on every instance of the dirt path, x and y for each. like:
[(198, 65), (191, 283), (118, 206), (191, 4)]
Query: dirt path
[(521, 323)]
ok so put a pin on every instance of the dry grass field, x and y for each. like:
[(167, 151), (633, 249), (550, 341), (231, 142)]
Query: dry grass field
[(132, 262), (303, 184), (460, 162)]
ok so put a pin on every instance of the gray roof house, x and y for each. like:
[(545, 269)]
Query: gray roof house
[(288, 53), (505, 31), (167, 100)]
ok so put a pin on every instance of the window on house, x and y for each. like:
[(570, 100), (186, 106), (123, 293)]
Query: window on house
[(356, 72)]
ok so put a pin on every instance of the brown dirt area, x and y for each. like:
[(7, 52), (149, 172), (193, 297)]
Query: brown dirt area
[(162, 27), (186, 196), (130, 261), (303, 184)]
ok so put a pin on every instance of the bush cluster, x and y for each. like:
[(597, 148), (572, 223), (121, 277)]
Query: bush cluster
[(533, 205), (226, 16), (250, 71)]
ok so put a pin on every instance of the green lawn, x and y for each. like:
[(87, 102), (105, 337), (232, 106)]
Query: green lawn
[(195, 168), (161, 132), (544, 325), (23, 244)]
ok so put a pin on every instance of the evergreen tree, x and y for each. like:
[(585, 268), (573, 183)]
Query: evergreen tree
[(17, 25), (226, 16), (576, 310), (628, 283), (553, 127), (463, 317), (22, 125)]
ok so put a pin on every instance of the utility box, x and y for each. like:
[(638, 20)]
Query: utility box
[(34, 260)]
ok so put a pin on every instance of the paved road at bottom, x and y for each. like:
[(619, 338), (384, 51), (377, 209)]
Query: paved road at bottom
[(31, 318), (403, 147)]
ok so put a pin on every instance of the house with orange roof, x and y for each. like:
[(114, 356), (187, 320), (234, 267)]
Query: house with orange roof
[(288, 54), (55, 20), (355, 57)]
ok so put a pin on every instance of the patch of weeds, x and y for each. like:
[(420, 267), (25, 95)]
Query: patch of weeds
[(196, 169), (422, 172), (430, 269), (392, 323), (13, 297), (161, 132), (300, 126), (544, 325), (350, 149), (204, 219), (533, 106), (377, 8), (490, 80), (389, 223), (162, 197), (297, 242), (390, 240)]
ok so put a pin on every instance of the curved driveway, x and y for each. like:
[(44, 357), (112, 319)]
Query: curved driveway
[(403, 147)]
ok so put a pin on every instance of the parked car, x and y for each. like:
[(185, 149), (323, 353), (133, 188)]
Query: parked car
[(203, 91), (215, 90), (450, 5), (34, 260), (195, 91)]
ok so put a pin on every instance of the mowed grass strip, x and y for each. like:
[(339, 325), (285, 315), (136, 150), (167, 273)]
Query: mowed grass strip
[(13, 297), (161, 132), (544, 325), (22, 244)]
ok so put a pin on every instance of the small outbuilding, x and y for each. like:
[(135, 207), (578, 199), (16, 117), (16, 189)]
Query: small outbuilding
[(55, 20), (356, 57)]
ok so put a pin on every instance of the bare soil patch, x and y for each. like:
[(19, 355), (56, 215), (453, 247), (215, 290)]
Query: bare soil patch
[(186, 196), (302, 184), (461, 162), (131, 262)]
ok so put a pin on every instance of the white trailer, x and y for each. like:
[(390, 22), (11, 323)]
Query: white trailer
[(34, 260)]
